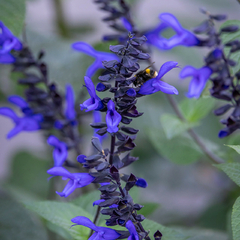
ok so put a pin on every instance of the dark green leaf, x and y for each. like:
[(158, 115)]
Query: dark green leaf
[(61, 214), (235, 147), (17, 223), (236, 220)]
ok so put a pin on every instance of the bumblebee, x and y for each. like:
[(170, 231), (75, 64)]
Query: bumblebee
[(142, 76)]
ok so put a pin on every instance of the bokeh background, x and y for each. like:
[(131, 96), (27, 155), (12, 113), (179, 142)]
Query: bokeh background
[(188, 191)]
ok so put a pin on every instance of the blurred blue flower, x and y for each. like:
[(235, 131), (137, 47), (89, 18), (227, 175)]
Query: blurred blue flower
[(127, 25), (29, 122), (76, 180), (101, 233), (8, 42), (70, 113), (182, 37), (60, 151), (99, 56), (131, 228), (113, 118), (199, 79), (154, 85), (94, 102), (141, 182)]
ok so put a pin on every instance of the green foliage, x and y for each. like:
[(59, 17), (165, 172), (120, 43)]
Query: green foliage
[(236, 220), (180, 149), (149, 208), (235, 147), (226, 37), (232, 170), (173, 126), (12, 14), (17, 223), (61, 214), (196, 109), (29, 174)]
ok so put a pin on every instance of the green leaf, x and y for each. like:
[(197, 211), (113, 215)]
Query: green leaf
[(180, 149), (12, 14), (61, 214), (149, 208), (29, 173), (236, 220), (196, 109), (227, 37), (17, 223), (86, 200), (173, 126), (235, 147), (168, 233), (232, 170)]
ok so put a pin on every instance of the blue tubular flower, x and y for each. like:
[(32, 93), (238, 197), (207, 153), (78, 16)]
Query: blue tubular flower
[(154, 85), (29, 122), (101, 233), (60, 150), (93, 103), (182, 37), (97, 202), (76, 180), (141, 182), (199, 79), (113, 118), (131, 228), (7, 42), (99, 56), (70, 111), (126, 24)]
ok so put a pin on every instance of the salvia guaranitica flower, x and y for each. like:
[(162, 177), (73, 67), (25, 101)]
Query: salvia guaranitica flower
[(60, 151), (113, 118), (182, 37), (76, 180), (131, 228), (100, 233), (29, 122), (8, 42), (99, 56), (94, 102), (199, 79), (155, 84)]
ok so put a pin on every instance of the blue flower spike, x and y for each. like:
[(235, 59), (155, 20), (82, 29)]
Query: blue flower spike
[(113, 118), (94, 102), (155, 84), (99, 56), (8, 42), (29, 122), (131, 228), (101, 233), (60, 150), (76, 180), (199, 79), (182, 37)]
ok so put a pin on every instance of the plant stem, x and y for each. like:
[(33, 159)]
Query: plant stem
[(191, 132)]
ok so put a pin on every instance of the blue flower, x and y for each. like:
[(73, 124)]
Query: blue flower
[(8, 42), (182, 37), (154, 85), (70, 113), (60, 150), (199, 79), (93, 103), (99, 56), (131, 228), (29, 122), (141, 182), (113, 118), (76, 180), (127, 25), (101, 233)]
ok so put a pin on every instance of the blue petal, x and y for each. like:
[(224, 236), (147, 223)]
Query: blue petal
[(18, 101), (70, 111), (141, 182), (166, 67), (113, 118), (131, 228)]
